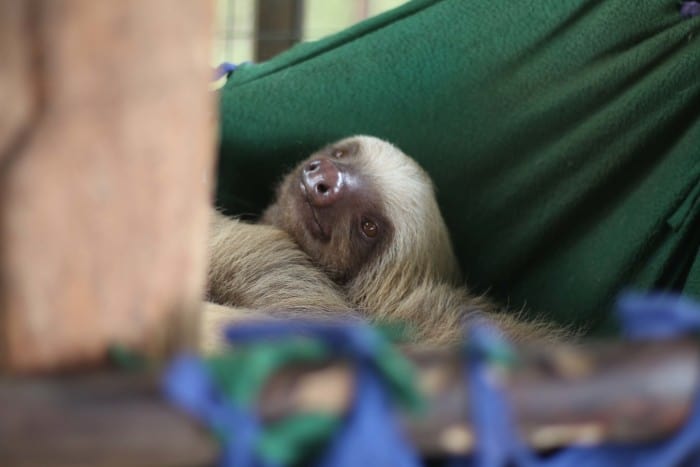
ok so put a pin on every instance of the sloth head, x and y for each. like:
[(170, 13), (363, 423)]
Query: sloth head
[(366, 214)]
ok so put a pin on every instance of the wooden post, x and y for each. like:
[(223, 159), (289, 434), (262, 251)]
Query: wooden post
[(106, 152), (278, 26)]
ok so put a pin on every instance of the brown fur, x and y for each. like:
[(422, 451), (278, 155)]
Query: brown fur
[(260, 267), (408, 274), (257, 271)]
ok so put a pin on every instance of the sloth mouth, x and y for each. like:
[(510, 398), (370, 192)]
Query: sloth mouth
[(322, 232), (315, 226)]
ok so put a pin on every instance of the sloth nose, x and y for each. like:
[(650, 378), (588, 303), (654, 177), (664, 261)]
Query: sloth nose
[(323, 182)]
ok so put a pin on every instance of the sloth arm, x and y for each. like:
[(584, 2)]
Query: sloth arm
[(260, 267), (258, 271)]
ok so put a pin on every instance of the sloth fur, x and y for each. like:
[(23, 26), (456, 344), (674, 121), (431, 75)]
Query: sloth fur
[(355, 231)]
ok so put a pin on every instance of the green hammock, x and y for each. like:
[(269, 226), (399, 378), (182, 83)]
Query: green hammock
[(563, 137)]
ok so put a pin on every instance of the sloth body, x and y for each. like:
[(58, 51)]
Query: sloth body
[(355, 231)]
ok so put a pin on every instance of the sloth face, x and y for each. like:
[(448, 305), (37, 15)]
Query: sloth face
[(333, 209), (358, 202)]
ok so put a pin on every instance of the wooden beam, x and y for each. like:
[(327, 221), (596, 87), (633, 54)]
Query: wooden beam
[(278, 26), (101, 420), (589, 394), (17, 80), (106, 155)]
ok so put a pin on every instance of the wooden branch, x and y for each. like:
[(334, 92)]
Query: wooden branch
[(589, 394), (101, 420), (603, 392)]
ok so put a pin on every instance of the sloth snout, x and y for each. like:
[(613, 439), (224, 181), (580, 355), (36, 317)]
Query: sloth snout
[(323, 181)]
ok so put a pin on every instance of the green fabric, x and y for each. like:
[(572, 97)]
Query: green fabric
[(242, 373), (563, 137), (127, 359), (298, 439)]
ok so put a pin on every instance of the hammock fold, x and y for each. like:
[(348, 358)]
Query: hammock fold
[(563, 137)]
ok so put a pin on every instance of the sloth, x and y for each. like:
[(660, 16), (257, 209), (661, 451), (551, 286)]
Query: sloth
[(354, 232)]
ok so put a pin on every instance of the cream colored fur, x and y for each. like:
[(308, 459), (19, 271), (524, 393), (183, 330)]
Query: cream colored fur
[(415, 280)]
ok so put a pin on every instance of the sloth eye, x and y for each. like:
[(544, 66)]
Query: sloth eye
[(369, 228), (338, 153)]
